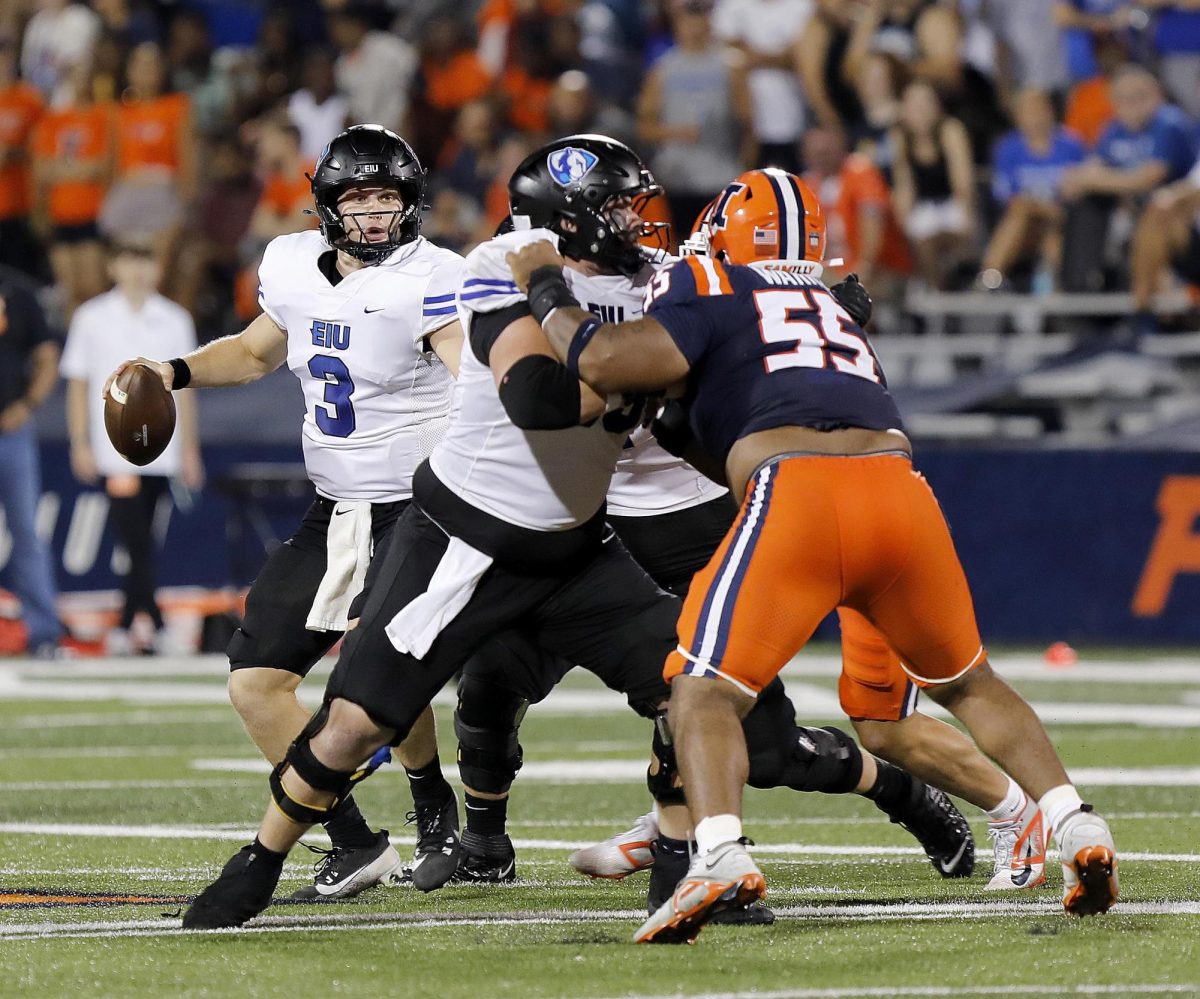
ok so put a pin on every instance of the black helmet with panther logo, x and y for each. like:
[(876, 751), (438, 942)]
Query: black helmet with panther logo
[(368, 154), (580, 179)]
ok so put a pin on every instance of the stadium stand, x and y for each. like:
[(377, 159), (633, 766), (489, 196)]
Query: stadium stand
[(1014, 181)]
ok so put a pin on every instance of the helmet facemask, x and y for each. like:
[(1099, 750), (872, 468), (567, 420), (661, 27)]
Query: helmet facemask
[(346, 231)]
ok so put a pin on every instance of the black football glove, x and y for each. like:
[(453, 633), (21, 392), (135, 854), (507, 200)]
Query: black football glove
[(671, 427), (853, 297)]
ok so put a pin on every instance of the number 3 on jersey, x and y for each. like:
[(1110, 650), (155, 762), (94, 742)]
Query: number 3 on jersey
[(339, 386), (811, 319)]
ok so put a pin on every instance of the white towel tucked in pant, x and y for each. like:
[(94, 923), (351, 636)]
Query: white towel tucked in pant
[(348, 554), (415, 628)]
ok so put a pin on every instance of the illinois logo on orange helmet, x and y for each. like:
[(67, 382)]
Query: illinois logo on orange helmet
[(767, 214)]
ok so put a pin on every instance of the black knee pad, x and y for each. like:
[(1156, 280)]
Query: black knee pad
[(769, 729), (485, 723), (313, 772), (663, 783), (821, 759)]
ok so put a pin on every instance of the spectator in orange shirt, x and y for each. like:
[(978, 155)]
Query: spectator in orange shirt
[(286, 188), (861, 227), (1089, 108), (155, 179), (72, 167), (20, 109), (450, 77)]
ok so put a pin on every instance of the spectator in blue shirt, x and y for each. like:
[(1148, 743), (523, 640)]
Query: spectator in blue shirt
[(1027, 170), (1148, 144), (1177, 41)]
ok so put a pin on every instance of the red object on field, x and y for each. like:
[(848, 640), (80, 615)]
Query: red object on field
[(1060, 654)]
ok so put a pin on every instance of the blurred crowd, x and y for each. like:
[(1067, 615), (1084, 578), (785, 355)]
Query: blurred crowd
[(1031, 144), (149, 150)]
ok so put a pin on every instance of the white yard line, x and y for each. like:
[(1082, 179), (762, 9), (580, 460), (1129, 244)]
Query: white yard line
[(620, 771), (226, 833), (378, 921), (811, 701)]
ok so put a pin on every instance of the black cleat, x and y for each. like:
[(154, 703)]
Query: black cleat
[(343, 873), (940, 828), (439, 849), (243, 890), (757, 913), (669, 869), (486, 859)]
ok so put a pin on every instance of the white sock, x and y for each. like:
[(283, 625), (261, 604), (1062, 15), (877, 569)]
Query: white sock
[(1011, 805), (715, 830), (1059, 802)]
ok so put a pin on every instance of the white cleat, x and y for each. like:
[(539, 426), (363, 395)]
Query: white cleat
[(620, 855), (1089, 863), (725, 878), (1020, 848)]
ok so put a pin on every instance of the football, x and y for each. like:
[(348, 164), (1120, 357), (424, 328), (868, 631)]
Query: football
[(139, 415)]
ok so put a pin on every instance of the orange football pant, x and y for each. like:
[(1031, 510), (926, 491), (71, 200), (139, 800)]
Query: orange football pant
[(819, 532)]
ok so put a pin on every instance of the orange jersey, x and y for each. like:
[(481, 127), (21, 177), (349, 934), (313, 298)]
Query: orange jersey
[(458, 81), (79, 135), (20, 107), (287, 195), (820, 532), (148, 132), (858, 185), (528, 100)]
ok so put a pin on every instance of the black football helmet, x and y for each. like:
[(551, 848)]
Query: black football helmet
[(581, 178), (368, 154)]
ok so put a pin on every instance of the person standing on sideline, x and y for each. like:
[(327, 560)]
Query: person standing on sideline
[(28, 371), (132, 318)]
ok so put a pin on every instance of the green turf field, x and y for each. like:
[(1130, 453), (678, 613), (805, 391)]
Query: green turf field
[(134, 778)]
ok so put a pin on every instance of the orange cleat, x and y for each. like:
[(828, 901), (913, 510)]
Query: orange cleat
[(725, 878), (1089, 863)]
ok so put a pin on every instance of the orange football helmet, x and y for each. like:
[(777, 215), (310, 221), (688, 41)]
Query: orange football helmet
[(767, 214)]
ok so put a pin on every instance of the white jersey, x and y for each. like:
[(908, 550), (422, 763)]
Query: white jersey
[(649, 481), (544, 480), (376, 400), (553, 480)]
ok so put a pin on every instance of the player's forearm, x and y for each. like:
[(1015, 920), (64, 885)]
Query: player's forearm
[(611, 360), (241, 358), (227, 361)]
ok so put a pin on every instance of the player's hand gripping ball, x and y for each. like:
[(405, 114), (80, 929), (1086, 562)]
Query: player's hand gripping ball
[(139, 413)]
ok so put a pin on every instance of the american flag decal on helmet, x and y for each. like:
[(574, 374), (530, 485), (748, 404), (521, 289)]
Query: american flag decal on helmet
[(765, 236)]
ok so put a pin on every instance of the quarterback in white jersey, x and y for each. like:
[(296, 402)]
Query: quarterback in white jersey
[(363, 314), (506, 534)]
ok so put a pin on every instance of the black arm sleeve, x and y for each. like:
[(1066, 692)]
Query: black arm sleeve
[(539, 393), (485, 328)]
